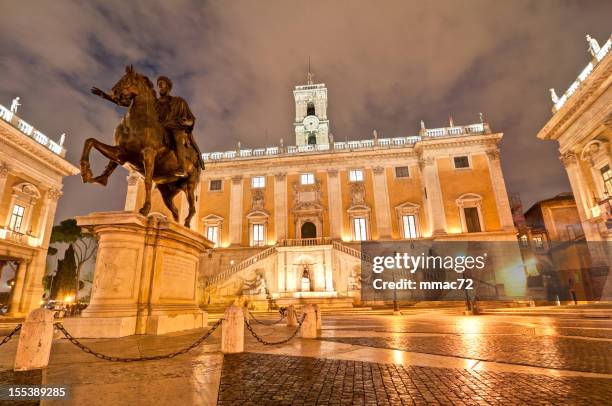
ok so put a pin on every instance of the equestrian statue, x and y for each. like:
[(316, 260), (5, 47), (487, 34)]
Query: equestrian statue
[(154, 138)]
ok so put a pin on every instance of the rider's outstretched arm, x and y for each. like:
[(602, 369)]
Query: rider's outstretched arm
[(104, 95)]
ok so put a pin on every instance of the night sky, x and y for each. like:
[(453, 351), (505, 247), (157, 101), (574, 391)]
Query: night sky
[(387, 65)]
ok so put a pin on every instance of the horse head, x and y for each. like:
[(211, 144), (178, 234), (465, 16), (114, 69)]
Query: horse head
[(131, 85)]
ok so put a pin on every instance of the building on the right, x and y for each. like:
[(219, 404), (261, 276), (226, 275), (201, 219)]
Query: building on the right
[(582, 125)]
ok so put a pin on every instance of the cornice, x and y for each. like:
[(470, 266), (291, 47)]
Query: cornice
[(36, 151)]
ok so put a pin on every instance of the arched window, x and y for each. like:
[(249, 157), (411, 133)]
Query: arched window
[(310, 109), (312, 139), (309, 230)]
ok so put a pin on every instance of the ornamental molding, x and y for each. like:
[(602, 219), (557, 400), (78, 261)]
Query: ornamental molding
[(378, 170), (357, 192), (280, 176), (257, 200), (332, 173), (37, 151), (53, 194), (570, 109), (26, 190), (569, 158), (595, 151), (493, 154), (133, 178), (4, 170), (237, 179)]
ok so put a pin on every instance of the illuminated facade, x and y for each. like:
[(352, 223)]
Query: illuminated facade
[(287, 220), (31, 171), (582, 125)]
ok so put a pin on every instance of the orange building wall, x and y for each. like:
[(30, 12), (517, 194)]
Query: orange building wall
[(404, 190), (217, 203), (456, 182)]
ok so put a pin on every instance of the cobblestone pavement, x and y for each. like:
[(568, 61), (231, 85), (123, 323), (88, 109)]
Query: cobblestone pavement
[(254, 379), (21, 378)]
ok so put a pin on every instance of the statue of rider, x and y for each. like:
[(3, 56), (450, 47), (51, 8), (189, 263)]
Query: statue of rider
[(176, 117)]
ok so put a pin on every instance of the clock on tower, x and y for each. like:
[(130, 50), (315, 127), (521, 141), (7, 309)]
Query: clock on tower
[(311, 124)]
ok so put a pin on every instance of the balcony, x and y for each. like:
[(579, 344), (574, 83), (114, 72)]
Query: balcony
[(17, 237)]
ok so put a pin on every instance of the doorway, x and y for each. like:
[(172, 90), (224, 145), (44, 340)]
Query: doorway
[(309, 230)]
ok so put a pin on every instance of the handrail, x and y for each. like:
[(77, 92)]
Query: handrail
[(241, 265)]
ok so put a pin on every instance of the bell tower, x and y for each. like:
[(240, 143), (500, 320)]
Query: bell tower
[(311, 124)]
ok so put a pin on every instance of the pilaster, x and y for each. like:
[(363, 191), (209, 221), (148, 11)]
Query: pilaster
[(499, 189), (334, 193), (235, 217), (134, 179), (433, 196), (381, 201), (280, 206)]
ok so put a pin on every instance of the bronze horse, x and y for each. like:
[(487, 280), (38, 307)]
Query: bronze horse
[(142, 143)]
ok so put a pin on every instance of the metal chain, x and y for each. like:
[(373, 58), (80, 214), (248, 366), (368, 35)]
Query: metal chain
[(264, 342), (265, 323), (10, 335), (88, 350)]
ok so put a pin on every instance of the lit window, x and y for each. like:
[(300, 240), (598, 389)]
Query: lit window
[(258, 234), (16, 217), (461, 162), (409, 223), (307, 179), (606, 176), (212, 233), (360, 229), (356, 175), (538, 241), (402, 172), (215, 184), (524, 240), (258, 181)]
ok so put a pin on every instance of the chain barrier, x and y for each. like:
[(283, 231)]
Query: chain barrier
[(88, 350), (268, 323), (265, 342), (10, 335)]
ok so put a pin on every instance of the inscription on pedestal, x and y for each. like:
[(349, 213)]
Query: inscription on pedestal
[(178, 278), (115, 273)]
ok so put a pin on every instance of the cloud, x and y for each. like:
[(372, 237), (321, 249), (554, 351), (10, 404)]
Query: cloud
[(387, 66)]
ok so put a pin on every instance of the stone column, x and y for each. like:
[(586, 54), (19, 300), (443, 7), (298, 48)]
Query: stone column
[(581, 195), (381, 202), (499, 189), (45, 225), (232, 331), (235, 217), (570, 161), (280, 206), (4, 171), (433, 194), (134, 179), (18, 288), (334, 193)]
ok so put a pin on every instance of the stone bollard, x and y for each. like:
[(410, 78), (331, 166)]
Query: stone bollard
[(35, 337), (291, 316), (309, 326), (232, 331), (318, 313)]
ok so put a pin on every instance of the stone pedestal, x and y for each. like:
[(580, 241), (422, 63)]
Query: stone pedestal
[(309, 326), (232, 331), (34, 347), (145, 279), (291, 317)]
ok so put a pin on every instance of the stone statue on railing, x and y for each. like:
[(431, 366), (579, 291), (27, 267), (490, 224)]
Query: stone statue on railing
[(593, 45), (15, 105), (553, 95)]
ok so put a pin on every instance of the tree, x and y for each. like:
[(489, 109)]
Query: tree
[(63, 282), (82, 244)]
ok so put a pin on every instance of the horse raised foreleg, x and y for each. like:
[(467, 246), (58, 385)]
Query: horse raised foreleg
[(148, 156), (103, 178), (109, 151)]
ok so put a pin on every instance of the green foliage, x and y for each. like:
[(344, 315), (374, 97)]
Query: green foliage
[(64, 281), (67, 231)]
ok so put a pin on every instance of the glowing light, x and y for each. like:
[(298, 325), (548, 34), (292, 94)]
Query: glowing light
[(596, 211), (68, 299)]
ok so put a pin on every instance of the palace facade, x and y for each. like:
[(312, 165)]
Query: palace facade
[(32, 167), (287, 221)]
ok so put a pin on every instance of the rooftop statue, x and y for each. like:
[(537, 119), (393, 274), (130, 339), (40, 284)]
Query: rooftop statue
[(15, 105), (154, 138), (593, 45)]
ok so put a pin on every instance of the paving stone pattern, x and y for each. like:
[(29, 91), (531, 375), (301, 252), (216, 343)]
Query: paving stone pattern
[(540, 351), (263, 379)]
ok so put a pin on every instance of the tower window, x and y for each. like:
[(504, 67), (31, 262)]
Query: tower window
[(312, 139), (310, 109)]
